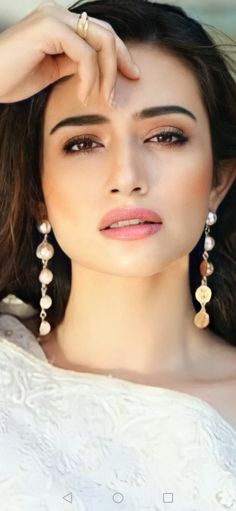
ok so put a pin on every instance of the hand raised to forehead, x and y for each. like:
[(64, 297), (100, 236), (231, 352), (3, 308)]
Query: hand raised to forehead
[(45, 46)]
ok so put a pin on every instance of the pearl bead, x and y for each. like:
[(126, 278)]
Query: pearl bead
[(44, 227), (45, 276), (45, 302), (44, 328), (209, 243), (212, 218), (45, 251)]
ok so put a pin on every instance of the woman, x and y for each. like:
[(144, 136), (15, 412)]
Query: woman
[(121, 388)]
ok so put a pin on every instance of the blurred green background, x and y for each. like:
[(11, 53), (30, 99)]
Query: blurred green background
[(220, 13)]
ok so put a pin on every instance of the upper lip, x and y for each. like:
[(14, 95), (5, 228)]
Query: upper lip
[(117, 215)]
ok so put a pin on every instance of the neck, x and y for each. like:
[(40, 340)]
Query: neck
[(129, 326)]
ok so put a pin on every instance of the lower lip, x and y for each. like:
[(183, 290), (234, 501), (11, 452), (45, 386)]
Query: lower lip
[(134, 232)]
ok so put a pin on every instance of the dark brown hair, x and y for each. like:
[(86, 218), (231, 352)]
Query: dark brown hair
[(21, 131)]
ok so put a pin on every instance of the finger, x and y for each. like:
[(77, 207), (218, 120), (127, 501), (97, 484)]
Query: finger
[(126, 62), (87, 65), (65, 66), (101, 44), (68, 42), (111, 53), (107, 59), (114, 56)]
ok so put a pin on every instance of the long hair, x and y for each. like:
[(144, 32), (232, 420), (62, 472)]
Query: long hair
[(21, 140)]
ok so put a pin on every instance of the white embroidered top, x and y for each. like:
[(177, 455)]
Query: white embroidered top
[(88, 442)]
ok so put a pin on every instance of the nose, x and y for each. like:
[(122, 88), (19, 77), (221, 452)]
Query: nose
[(127, 172)]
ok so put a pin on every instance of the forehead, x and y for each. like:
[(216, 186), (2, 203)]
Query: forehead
[(165, 78)]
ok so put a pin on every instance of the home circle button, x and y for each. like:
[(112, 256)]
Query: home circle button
[(118, 497)]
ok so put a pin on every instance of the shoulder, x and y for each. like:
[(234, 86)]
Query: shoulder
[(223, 389), (9, 321), (17, 338), (220, 359), (31, 324), (15, 330), (224, 400), (17, 318)]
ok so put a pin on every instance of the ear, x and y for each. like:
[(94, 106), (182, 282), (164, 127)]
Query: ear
[(39, 211), (227, 178)]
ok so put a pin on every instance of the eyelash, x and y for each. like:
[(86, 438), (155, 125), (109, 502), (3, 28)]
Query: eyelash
[(182, 139)]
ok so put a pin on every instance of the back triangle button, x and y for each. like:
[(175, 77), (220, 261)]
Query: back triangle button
[(68, 497)]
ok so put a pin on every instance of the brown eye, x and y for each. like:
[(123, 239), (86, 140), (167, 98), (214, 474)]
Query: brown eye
[(165, 138), (85, 143)]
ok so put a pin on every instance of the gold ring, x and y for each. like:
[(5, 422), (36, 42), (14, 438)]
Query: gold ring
[(82, 25)]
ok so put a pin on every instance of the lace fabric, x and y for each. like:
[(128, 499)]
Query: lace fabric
[(89, 442)]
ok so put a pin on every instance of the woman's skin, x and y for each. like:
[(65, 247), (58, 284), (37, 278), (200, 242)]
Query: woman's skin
[(130, 311)]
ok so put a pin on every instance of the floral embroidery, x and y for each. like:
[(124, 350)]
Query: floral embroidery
[(112, 444)]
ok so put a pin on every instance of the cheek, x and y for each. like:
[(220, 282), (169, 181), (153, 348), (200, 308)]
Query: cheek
[(64, 202), (68, 196), (62, 187), (195, 189), (57, 197), (191, 182), (188, 204)]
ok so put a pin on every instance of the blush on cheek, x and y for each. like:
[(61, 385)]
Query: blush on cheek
[(189, 197), (58, 201), (196, 189), (202, 184), (196, 183)]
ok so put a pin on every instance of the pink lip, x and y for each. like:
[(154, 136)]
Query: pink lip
[(117, 215), (132, 232)]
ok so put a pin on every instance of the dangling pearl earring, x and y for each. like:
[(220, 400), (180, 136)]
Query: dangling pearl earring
[(45, 251), (203, 293)]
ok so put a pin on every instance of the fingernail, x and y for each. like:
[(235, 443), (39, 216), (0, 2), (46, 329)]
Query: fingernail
[(137, 71), (84, 100), (111, 96)]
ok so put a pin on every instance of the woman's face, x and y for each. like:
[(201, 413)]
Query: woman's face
[(130, 164)]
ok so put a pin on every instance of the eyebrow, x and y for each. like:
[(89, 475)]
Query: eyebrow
[(147, 113)]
